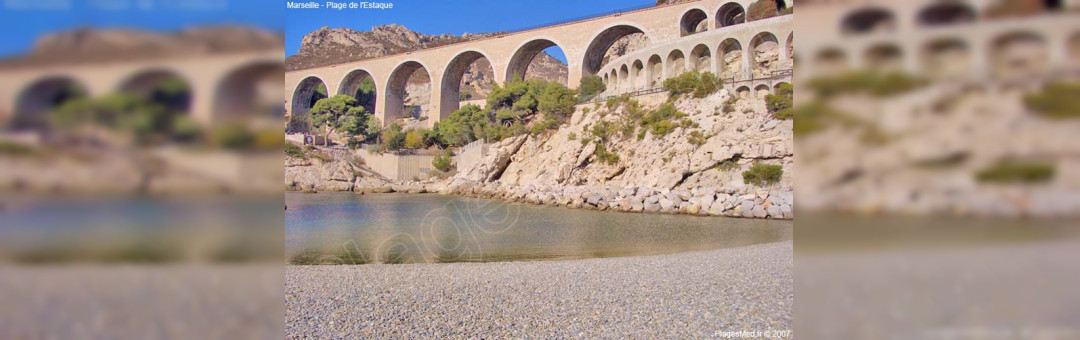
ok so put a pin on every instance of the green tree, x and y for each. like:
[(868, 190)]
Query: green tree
[(781, 104), (444, 161), (394, 137), (334, 112), (414, 139), (556, 100), (373, 128), (590, 86)]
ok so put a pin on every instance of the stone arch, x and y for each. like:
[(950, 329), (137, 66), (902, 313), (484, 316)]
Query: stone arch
[(627, 82), (607, 81), (637, 75), (615, 81), (306, 94), (831, 60), (254, 89), (761, 90), (602, 41), (868, 20), (524, 55), (730, 14), (743, 92), (730, 53), (656, 70), (395, 89), (361, 84), (452, 79), (693, 21), (884, 56), (41, 97), (701, 58), (780, 83), (765, 54), (163, 86), (946, 57), (676, 61), (1018, 53), (949, 12)]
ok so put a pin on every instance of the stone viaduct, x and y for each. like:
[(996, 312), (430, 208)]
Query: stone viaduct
[(940, 40), (584, 42), (222, 86)]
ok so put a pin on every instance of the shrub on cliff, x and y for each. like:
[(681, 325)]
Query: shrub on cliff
[(1057, 100), (660, 122), (294, 151), (875, 83), (1012, 171), (700, 84), (761, 174)]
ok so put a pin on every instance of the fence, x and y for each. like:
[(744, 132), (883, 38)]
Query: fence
[(397, 167), (470, 154), (728, 83)]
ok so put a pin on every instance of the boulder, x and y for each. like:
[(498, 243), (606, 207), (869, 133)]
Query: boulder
[(759, 212)]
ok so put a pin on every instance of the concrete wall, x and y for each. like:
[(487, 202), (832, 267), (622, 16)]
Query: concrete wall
[(398, 167)]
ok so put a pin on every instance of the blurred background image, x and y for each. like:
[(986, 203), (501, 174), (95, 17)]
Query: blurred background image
[(938, 169), (140, 169)]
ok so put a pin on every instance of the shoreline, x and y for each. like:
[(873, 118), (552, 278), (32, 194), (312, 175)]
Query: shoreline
[(600, 297), (626, 200)]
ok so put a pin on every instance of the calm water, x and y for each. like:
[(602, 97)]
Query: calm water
[(343, 228)]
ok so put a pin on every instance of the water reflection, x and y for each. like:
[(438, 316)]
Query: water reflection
[(342, 228)]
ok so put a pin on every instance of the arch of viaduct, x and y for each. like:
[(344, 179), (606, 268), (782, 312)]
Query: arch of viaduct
[(638, 70), (583, 42), (221, 86), (938, 39)]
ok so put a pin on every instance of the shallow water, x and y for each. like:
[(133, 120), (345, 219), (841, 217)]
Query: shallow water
[(344, 228), (95, 228)]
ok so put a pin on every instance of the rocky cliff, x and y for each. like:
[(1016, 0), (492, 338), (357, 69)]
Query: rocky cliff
[(666, 174)]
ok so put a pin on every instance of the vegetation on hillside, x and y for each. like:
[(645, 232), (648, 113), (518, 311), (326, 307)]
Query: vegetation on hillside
[(590, 86), (1057, 100), (700, 84), (761, 174), (517, 108), (869, 82), (1014, 172)]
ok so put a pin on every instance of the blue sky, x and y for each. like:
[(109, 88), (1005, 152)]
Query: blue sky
[(23, 26), (454, 17)]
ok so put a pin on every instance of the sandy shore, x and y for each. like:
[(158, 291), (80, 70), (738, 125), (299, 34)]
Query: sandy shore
[(214, 301), (698, 294)]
